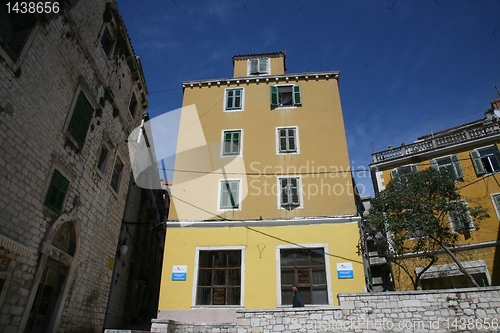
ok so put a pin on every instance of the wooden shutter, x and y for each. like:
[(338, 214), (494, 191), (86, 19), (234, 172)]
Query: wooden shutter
[(394, 173), (413, 168), (80, 120), (263, 65), (13, 36), (57, 192), (237, 99), (292, 146), (274, 96), (289, 192), (496, 201), (229, 195), (434, 164), (254, 66), (476, 161), (296, 95), (459, 173)]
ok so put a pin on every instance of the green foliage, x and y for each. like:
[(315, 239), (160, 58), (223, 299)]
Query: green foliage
[(414, 210)]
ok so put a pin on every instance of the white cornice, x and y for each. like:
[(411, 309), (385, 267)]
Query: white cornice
[(263, 223), (262, 79)]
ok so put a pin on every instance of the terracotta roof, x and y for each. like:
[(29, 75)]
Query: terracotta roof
[(246, 56)]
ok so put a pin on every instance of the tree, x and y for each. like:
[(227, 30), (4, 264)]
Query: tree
[(413, 216)]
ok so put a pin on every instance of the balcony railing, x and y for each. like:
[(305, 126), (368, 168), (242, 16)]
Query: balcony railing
[(437, 142)]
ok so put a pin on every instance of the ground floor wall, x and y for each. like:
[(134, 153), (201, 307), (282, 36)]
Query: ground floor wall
[(265, 274), (469, 309)]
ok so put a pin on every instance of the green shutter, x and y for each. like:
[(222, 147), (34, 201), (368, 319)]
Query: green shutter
[(295, 191), (434, 164), (57, 192), (394, 173), (13, 36), (80, 120), (289, 192), (229, 195), (496, 201), (274, 96), (297, 98), (413, 168), (476, 161), (458, 168)]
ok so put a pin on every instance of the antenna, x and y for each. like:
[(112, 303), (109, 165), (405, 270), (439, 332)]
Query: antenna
[(496, 87)]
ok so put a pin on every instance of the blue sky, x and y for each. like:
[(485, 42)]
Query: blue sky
[(405, 66)]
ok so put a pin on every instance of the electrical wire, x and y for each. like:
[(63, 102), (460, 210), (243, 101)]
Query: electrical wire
[(261, 232)]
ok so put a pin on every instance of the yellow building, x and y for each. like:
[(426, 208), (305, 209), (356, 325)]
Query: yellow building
[(471, 156), (262, 195)]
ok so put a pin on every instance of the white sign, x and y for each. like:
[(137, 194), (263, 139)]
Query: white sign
[(344, 270), (179, 273)]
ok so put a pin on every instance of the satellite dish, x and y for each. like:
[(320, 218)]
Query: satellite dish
[(497, 113)]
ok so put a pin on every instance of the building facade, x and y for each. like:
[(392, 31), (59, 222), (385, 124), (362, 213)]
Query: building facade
[(262, 195), (469, 153), (71, 91)]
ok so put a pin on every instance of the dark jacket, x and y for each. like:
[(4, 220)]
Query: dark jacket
[(297, 300)]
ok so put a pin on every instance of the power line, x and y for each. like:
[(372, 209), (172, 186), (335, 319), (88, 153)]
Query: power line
[(262, 232)]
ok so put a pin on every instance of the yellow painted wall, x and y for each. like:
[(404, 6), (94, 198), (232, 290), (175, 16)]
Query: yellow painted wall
[(260, 266), (476, 190), (322, 143), (277, 66)]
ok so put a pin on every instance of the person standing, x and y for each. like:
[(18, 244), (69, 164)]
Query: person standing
[(297, 298)]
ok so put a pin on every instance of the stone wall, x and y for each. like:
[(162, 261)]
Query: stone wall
[(471, 309), (38, 91)]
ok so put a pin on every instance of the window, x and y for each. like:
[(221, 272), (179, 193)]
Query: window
[(231, 143), (56, 193), (496, 203), (306, 269), (460, 218), (132, 107), (229, 194), (219, 278), (103, 159), (486, 160), (107, 42), (449, 165), (287, 140), (258, 66), (449, 276), (80, 120), (15, 29), (403, 170), (117, 175), (290, 194), (234, 99), (288, 95)]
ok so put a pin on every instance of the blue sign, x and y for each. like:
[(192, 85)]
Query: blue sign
[(345, 274), (178, 276)]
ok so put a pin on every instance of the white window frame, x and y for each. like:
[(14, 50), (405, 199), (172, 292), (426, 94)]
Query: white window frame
[(241, 248), (240, 154), (299, 188), (293, 106), (297, 141), (249, 61), (242, 100), (413, 167), (240, 182), (482, 170), (454, 162), (497, 208), (303, 246), (470, 217)]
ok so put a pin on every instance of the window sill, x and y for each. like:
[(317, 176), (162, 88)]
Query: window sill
[(217, 306), (285, 107), (233, 110)]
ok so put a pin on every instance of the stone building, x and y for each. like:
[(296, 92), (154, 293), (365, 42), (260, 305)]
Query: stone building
[(71, 91)]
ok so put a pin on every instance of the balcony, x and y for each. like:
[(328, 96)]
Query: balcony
[(443, 140)]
